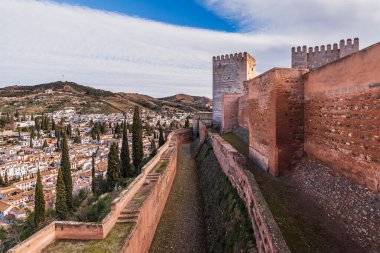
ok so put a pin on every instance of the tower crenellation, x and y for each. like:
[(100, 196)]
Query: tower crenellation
[(318, 56), (229, 73)]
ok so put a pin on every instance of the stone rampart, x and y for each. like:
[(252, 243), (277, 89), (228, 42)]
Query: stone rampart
[(97, 231), (317, 57), (205, 117), (234, 112), (342, 116), (229, 74), (267, 234), (276, 119)]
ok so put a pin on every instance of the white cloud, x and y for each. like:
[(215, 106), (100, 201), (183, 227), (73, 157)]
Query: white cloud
[(40, 41), (314, 22)]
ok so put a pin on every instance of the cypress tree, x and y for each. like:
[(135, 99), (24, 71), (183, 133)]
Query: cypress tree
[(187, 123), (60, 202), (161, 140), (45, 145), (113, 170), (153, 148), (66, 167), (6, 178), (125, 159), (93, 184), (39, 204), (2, 181), (137, 145)]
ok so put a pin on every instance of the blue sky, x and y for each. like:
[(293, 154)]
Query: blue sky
[(165, 47), (177, 12)]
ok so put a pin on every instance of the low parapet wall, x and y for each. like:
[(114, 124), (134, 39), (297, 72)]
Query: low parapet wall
[(267, 234), (97, 231)]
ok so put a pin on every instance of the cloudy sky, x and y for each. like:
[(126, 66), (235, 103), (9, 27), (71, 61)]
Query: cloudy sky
[(165, 47)]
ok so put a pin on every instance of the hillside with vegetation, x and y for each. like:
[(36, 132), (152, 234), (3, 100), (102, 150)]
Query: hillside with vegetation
[(55, 96)]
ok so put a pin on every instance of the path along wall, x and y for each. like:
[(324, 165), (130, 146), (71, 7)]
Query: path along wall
[(93, 231), (267, 234), (140, 239), (342, 116)]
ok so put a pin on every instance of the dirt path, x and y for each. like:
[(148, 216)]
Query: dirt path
[(182, 226)]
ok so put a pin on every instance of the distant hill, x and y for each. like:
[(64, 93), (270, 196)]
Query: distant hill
[(57, 95)]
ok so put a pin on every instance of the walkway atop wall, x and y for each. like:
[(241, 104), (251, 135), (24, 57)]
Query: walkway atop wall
[(182, 227), (305, 225)]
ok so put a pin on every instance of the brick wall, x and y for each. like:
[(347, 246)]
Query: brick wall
[(267, 234), (229, 74), (276, 119), (229, 116), (243, 118), (342, 116), (234, 112)]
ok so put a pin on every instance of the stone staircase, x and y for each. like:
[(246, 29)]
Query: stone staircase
[(153, 177), (128, 216)]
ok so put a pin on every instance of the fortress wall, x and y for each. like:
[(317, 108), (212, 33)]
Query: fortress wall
[(276, 119), (93, 231), (267, 234), (342, 116), (150, 213), (243, 114), (316, 57), (229, 74), (230, 109), (205, 117), (234, 112), (37, 242)]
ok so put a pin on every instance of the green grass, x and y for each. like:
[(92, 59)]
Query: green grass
[(229, 227), (161, 167), (112, 243)]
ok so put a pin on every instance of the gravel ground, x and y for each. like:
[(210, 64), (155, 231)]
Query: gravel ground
[(182, 226), (351, 205)]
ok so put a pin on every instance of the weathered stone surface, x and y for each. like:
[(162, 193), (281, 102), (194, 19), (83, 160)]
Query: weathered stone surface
[(276, 119), (342, 116), (229, 74), (319, 56)]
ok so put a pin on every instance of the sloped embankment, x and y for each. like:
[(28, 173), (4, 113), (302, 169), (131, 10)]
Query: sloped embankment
[(228, 225)]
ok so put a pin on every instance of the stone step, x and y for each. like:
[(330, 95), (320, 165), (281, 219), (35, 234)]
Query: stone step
[(133, 212), (123, 216), (129, 220)]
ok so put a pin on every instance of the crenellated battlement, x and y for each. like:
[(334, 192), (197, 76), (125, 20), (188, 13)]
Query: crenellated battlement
[(316, 57), (229, 73), (234, 57)]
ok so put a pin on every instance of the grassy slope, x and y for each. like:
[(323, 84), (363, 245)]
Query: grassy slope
[(301, 221), (229, 229)]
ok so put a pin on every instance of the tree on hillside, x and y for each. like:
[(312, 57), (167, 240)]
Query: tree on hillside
[(66, 170), (60, 202), (187, 122), (125, 160), (153, 148), (137, 144), (69, 130), (45, 145), (161, 140), (93, 184), (39, 202), (113, 169), (6, 182), (2, 181)]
